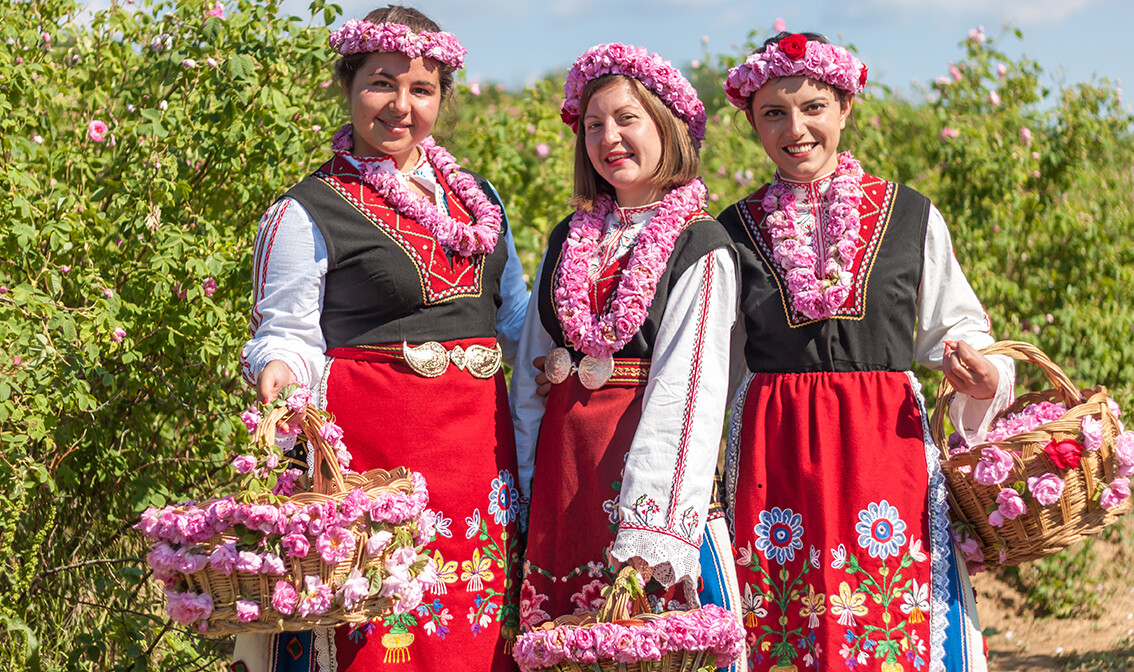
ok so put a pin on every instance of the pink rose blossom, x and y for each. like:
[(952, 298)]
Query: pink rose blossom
[(994, 98), (244, 464), (188, 63), (1046, 489), (409, 599), (272, 564), (779, 26), (335, 544), (96, 130), (217, 10), (1011, 506), (118, 334), (249, 562), (331, 432), (1115, 494), (1026, 135), (284, 598), (299, 399), (955, 73), (286, 483), (247, 611), (543, 150), (65, 269), (377, 542), (209, 286), (1001, 69), (1092, 433), (296, 544), (187, 562), (223, 558), (251, 419), (994, 466), (948, 133), (188, 608), (316, 599), (474, 88), (354, 589)]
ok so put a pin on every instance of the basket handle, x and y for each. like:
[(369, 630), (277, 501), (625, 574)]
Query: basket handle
[(328, 475), (623, 598), (1068, 393)]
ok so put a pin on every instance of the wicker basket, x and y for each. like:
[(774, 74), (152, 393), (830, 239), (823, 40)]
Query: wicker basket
[(1040, 530), (330, 485), (624, 597)]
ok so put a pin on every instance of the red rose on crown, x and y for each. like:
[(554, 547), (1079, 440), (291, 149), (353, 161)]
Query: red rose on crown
[(1065, 454), (794, 46), (862, 77)]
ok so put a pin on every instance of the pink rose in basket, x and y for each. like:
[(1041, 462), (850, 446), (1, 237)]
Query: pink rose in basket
[(355, 589), (187, 562), (1065, 454), (272, 564), (188, 608), (335, 544), (1046, 489), (1011, 506), (284, 598), (223, 558), (410, 598), (581, 646), (299, 400), (247, 561), (296, 544), (1092, 433), (244, 464), (1115, 494), (1124, 453), (247, 611), (316, 599), (994, 466)]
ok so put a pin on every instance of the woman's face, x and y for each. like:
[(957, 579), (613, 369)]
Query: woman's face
[(623, 144), (799, 121), (394, 102)]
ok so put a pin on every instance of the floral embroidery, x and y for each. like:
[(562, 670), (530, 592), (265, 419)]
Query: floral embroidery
[(476, 571), (778, 534), (644, 509), (481, 614), (753, 606), (689, 520), (446, 574), (504, 500), (916, 602), (848, 604), (589, 598), (530, 602), (442, 526), (610, 506), (813, 607), (439, 617), (880, 531), (473, 523)]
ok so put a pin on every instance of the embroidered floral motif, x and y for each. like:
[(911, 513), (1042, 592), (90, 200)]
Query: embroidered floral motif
[(644, 509), (753, 606), (848, 604), (880, 531), (689, 520), (778, 534), (504, 500), (438, 618), (590, 597), (530, 602), (813, 606), (915, 603), (446, 574)]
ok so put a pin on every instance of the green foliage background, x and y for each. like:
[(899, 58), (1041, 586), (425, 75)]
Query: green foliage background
[(124, 234)]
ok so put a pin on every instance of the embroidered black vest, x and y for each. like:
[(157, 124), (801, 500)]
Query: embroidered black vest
[(874, 328), (702, 235), (388, 279)]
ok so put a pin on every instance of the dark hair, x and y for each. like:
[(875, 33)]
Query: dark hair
[(347, 66), (811, 37), (680, 160)]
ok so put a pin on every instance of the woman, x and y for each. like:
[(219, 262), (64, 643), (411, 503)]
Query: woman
[(633, 291), (388, 282), (844, 553)]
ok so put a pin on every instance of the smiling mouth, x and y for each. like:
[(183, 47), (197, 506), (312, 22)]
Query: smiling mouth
[(800, 149), (394, 126), (615, 158)]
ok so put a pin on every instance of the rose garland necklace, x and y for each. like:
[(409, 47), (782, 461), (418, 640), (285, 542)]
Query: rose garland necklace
[(476, 237), (817, 297), (599, 336)]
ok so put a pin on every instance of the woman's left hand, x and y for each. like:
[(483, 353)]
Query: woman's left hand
[(645, 572), (968, 371)]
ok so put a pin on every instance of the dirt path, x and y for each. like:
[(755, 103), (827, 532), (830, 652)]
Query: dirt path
[(1089, 642)]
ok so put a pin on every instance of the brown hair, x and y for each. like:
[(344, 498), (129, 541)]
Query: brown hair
[(347, 66), (680, 161)]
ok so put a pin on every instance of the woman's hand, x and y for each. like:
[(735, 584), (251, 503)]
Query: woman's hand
[(272, 379), (645, 572), (543, 385), (968, 371)]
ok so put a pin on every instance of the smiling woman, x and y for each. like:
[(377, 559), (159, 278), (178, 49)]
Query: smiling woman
[(633, 305), (371, 276)]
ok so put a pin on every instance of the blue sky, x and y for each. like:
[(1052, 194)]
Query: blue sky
[(516, 41)]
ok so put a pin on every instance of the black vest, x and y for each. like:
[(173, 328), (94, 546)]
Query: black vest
[(701, 236), (874, 330), (388, 280)]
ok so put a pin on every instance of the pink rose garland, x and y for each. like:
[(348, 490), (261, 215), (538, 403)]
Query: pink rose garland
[(476, 237), (601, 336)]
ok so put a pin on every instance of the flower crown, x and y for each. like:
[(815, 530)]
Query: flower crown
[(361, 37), (795, 55), (651, 70)]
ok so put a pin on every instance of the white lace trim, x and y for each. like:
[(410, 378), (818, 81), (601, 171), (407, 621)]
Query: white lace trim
[(732, 450), (937, 502), (324, 641), (671, 560)]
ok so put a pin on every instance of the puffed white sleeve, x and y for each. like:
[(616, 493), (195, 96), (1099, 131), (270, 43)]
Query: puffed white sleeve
[(514, 298), (949, 310), (668, 479), (288, 272), (527, 407)]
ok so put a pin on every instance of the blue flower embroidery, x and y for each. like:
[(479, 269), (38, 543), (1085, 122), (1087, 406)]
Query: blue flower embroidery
[(779, 534), (880, 531), (504, 500)]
